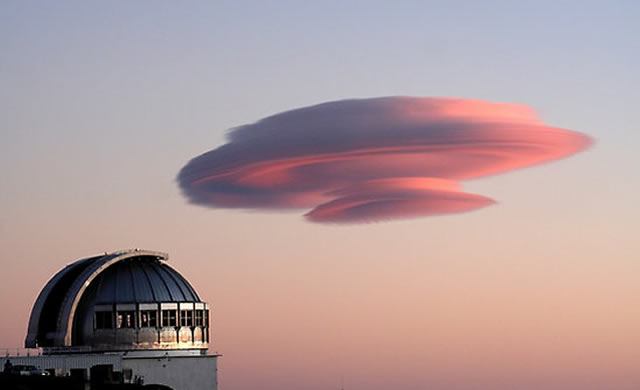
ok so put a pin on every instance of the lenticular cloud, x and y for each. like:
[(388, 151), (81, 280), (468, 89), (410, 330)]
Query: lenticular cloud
[(373, 159)]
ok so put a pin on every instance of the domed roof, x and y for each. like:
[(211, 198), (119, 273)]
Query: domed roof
[(114, 284), (145, 279)]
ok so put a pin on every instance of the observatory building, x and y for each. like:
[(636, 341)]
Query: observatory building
[(127, 313)]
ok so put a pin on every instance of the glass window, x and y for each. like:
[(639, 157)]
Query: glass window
[(169, 318), (103, 320), (126, 319), (186, 317), (148, 319), (198, 320), (206, 318)]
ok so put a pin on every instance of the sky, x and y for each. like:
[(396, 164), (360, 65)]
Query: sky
[(102, 104)]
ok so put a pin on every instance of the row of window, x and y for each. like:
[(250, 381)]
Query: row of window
[(149, 318)]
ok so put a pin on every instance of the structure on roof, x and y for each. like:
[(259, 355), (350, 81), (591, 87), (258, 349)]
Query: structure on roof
[(127, 311)]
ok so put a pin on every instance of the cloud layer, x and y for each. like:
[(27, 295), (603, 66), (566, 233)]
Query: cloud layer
[(373, 159)]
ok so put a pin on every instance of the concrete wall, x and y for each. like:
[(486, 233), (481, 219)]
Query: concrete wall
[(64, 363), (177, 372), (195, 372)]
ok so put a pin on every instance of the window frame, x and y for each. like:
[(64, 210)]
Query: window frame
[(186, 317), (126, 319), (167, 318), (198, 319), (102, 318), (151, 320)]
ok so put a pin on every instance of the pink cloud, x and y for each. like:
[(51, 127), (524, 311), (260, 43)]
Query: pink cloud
[(373, 159)]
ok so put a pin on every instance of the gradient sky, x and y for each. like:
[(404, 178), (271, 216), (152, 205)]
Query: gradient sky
[(101, 104)]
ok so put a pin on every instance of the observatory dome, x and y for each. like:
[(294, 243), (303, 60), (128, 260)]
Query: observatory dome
[(126, 300)]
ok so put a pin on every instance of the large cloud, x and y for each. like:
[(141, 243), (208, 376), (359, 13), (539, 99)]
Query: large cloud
[(373, 159)]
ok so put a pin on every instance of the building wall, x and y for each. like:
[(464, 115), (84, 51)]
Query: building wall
[(195, 372), (177, 372), (65, 363)]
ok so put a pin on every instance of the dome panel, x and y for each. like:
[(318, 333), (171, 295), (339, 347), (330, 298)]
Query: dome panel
[(142, 290), (172, 286), (158, 285), (187, 291), (123, 291), (142, 280)]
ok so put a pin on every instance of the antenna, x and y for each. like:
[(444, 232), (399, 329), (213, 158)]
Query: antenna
[(341, 382)]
